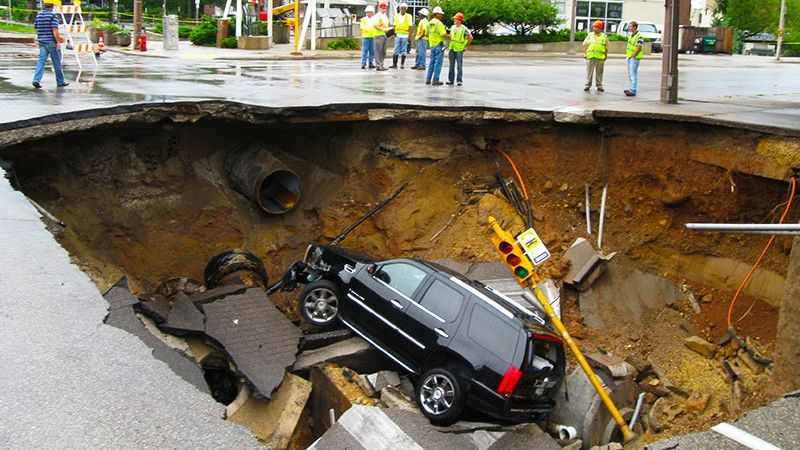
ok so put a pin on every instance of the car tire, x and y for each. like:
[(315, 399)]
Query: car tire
[(441, 396), (319, 303)]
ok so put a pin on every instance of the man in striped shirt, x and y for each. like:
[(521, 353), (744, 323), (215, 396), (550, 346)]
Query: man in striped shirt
[(49, 41)]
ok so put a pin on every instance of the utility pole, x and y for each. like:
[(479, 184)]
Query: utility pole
[(574, 8), (137, 22), (115, 11), (780, 31), (786, 377), (669, 61)]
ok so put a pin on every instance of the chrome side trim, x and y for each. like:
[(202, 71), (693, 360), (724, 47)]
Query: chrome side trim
[(508, 299), (349, 269), (384, 320), (426, 310), (385, 352), (483, 297)]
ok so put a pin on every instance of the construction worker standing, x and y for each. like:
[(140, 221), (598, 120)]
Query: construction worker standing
[(634, 53), (381, 24), (367, 33), (49, 41), (596, 44), (421, 39), (437, 33), (460, 37), (402, 26)]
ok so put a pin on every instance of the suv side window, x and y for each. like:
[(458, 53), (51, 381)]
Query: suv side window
[(442, 300), (403, 277), (492, 333)]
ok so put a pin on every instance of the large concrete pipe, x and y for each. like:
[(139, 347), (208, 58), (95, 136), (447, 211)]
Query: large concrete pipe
[(263, 178), (235, 266)]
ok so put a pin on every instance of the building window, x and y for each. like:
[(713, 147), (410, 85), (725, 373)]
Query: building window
[(610, 12)]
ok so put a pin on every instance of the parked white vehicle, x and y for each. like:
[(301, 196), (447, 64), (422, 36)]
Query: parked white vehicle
[(648, 30)]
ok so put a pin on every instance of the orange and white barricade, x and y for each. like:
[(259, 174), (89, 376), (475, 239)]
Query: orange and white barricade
[(76, 31)]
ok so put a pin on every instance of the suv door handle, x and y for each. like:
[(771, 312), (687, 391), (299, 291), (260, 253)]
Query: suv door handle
[(396, 304), (440, 332)]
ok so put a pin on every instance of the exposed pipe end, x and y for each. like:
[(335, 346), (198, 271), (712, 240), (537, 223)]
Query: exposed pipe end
[(278, 191)]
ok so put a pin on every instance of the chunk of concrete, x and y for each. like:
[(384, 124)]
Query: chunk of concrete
[(319, 340), (393, 397), (184, 319), (586, 265), (274, 421), (697, 402), (701, 346), (612, 365), (259, 339), (355, 353), (383, 378), (156, 308), (626, 294)]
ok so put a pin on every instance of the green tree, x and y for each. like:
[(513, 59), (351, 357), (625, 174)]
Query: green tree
[(756, 16), (523, 16), (480, 15)]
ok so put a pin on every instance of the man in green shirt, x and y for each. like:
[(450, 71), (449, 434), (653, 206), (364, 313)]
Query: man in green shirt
[(634, 53), (596, 44), (437, 33)]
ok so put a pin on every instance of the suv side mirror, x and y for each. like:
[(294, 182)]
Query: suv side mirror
[(371, 269)]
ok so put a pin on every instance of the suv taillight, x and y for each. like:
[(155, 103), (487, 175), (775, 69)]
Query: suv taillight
[(509, 381), (547, 338)]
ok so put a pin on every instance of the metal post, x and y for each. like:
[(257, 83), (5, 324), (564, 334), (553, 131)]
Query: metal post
[(269, 23), (238, 18), (780, 31), (749, 228), (137, 22), (574, 8), (669, 61)]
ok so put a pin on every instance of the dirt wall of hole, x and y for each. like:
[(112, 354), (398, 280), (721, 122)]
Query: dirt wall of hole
[(152, 201)]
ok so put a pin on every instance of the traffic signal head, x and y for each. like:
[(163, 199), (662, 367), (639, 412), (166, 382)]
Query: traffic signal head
[(512, 253)]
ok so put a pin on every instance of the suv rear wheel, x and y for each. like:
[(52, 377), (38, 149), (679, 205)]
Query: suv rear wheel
[(319, 303), (441, 396)]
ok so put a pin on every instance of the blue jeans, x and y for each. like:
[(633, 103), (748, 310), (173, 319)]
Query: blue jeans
[(367, 52), (435, 65), (633, 73), (45, 49), (422, 49), (456, 58), (400, 46)]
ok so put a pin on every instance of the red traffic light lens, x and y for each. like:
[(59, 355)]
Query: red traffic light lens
[(505, 247), (521, 272), (513, 259)]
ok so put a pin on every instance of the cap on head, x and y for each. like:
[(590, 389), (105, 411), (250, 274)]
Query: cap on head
[(598, 24), (459, 16), (423, 12), (369, 8), (383, 5), (438, 10), (403, 5)]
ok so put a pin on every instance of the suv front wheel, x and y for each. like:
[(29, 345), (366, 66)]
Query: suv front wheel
[(441, 396), (319, 303)]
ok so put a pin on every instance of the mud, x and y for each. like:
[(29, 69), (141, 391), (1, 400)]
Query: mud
[(152, 201)]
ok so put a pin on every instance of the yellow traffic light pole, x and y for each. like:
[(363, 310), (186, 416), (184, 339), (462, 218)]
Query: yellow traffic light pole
[(530, 282)]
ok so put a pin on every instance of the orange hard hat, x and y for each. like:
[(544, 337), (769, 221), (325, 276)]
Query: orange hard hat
[(459, 16), (597, 24)]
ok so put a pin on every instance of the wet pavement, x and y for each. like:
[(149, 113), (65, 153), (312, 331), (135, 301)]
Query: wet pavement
[(749, 91)]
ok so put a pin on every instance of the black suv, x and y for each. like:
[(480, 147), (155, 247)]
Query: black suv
[(467, 343)]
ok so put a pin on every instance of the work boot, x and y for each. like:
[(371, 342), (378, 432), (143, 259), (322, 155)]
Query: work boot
[(437, 83), (363, 66), (394, 62), (403, 61), (371, 66), (414, 67)]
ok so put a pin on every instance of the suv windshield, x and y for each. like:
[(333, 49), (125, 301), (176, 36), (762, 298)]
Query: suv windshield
[(647, 28)]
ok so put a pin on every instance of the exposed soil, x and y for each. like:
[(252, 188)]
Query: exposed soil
[(155, 203)]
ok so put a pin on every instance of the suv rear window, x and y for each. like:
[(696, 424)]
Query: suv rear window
[(492, 333), (442, 300)]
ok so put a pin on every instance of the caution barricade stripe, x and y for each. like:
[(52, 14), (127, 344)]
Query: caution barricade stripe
[(69, 9), (80, 28), (84, 48)]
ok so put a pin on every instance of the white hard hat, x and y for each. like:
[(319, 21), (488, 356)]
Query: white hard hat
[(403, 5), (438, 10), (369, 8), (423, 12)]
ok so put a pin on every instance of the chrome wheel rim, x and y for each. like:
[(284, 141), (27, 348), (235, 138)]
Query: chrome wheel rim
[(321, 305), (437, 394)]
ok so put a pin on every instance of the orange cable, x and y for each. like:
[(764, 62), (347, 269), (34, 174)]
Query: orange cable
[(514, 166), (761, 257)]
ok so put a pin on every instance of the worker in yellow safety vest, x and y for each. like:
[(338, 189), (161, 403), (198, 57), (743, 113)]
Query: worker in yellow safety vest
[(381, 23), (402, 26), (437, 33), (421, 40), (596, 44), (460, 38), (367, 32), (634, 53)]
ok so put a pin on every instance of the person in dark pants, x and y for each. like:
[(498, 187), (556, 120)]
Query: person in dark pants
[(49, 41), (460, 37), (437, 33)]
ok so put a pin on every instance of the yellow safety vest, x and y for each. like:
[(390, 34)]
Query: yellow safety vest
[(422, 29), (633, 42), (367, 28), (402, 23), (458, 38), (381, 19), (435, 31), (597, 46)]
